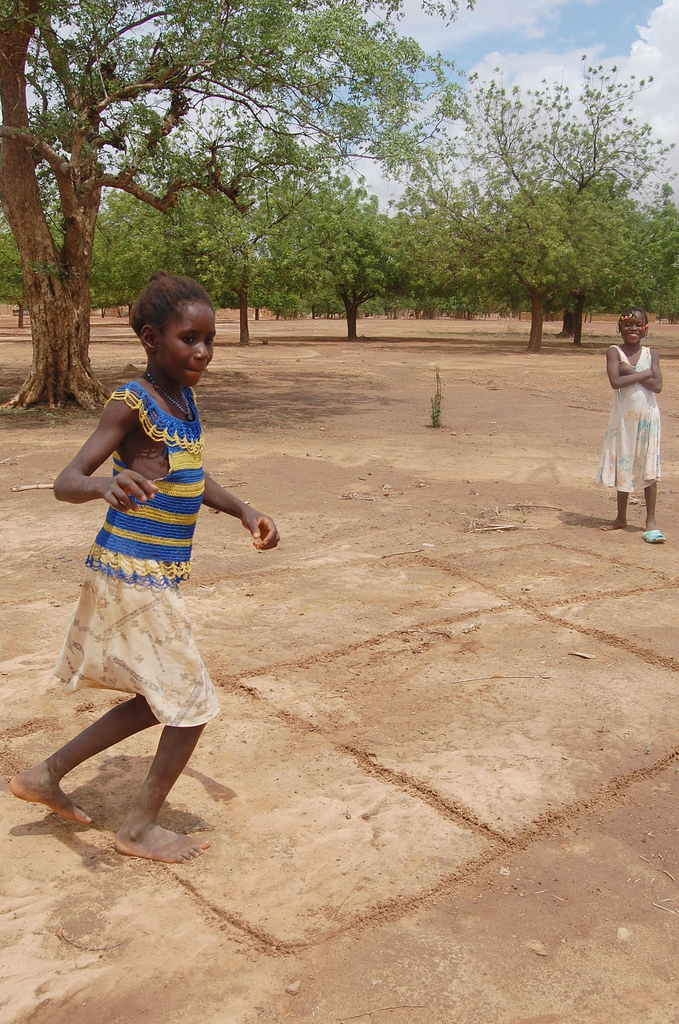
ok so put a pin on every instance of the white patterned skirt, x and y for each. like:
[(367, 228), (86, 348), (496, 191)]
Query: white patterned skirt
[(137, 639), (630, 457)]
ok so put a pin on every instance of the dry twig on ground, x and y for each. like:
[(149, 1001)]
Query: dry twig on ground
[(34, 487)]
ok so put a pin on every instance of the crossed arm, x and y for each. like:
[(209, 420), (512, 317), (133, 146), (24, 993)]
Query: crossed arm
[(622, 375)]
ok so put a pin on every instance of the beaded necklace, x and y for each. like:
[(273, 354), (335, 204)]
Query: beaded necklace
[(182, 407)]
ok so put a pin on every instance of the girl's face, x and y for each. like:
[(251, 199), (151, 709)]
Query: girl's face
[(633, 330), (184, 349)]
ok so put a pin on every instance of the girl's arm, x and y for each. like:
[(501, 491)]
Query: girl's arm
[(76, 484), (655, 382), (623, 379), (262, 528)]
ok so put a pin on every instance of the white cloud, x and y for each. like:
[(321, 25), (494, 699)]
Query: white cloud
[(531, 19), (653, 54), (528, 70)]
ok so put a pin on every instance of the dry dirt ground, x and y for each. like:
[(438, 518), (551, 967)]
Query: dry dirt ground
[(423, 806)]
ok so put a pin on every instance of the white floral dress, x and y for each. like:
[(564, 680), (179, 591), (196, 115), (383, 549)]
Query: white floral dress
[(630, 459)]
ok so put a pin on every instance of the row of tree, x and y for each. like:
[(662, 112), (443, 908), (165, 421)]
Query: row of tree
[(558, 198), (337, 254), (328, 250), (211, 139)]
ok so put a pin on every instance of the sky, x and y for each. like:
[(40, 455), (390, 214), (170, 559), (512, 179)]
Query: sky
[(532, 40)]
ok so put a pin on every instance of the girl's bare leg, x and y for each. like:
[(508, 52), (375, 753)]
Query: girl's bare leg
[(41, 784), (140, 836), (620, 521), (651, 494)]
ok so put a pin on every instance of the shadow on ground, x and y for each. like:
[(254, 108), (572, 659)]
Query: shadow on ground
[(235, 399)]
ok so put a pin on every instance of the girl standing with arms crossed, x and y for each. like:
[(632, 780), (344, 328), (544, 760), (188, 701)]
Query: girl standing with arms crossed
[(130, 631), (630, 458)]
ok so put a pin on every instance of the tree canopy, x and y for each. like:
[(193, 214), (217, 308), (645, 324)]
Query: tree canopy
[(216, 138), (154, 100), (530, 176)]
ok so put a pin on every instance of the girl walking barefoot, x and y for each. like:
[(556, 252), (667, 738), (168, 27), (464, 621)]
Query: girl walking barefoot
[(630, 458), (130, 631)]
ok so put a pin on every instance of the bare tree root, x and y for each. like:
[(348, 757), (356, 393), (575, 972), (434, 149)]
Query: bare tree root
[(83, 389)]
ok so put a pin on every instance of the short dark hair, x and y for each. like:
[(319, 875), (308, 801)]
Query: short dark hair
[(162, 298), (635, 311)]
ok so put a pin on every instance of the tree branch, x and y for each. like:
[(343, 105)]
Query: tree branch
[(131, 26), (59, 164), (59, 62), (126, 183)]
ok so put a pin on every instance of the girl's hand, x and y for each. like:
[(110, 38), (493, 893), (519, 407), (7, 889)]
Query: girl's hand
[(624, 368), (127, 489), (263, 529)]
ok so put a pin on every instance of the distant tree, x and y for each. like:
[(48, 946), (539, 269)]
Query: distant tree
[(130, 242), (229, 229), (528, 177), (11, 280), (658, 231), (428, 277), (608, 238), (347, 249)]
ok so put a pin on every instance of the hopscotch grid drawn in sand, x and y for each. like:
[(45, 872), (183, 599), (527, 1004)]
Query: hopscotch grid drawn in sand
[(286, 936), (369, 763)]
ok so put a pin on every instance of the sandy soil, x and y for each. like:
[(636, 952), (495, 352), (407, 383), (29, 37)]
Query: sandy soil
[(423, 806)]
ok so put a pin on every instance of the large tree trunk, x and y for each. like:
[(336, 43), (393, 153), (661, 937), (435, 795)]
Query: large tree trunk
[(351, 310), (60, 326), (59, 308), (243, 308), (577, 318), (536, 320), (56, 284)]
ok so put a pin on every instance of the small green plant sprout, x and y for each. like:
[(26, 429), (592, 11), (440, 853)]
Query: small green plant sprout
[(436, 402)]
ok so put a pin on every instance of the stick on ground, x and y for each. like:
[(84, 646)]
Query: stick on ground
[(392, 554), (380, 1009), (34, 487), (481, 679)]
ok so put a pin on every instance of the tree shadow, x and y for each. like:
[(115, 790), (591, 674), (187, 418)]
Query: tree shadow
[(281, 398), (228, 398)]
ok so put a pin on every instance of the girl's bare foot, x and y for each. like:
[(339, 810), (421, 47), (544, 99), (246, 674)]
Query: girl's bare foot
[(38, 786), (156, 843), (617, 524)]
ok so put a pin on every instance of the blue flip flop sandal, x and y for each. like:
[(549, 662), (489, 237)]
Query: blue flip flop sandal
[(653, 537)]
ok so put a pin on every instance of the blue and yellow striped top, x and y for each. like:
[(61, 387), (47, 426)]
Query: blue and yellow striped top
[(151, 546)]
